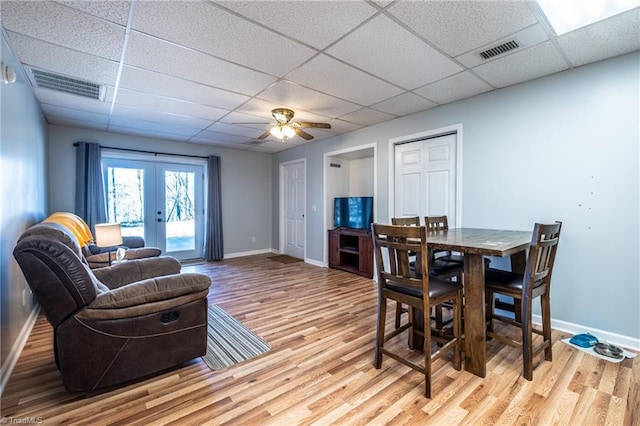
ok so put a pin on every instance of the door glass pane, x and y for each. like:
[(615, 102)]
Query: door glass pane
[(180, 212), (125, 199)]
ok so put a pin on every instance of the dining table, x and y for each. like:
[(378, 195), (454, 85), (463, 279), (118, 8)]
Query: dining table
[(475, 244)]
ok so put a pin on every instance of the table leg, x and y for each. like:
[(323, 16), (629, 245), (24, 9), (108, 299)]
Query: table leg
[(474, 315)]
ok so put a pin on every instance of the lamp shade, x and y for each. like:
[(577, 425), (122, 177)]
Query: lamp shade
[(108, 234)]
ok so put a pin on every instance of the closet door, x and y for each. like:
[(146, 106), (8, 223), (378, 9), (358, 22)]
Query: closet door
[(425, 178)]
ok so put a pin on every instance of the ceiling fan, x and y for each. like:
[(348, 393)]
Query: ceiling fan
[(285, 129)]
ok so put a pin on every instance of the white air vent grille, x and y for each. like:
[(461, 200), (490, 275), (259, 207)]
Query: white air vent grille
[(61, 83), (499, 49)]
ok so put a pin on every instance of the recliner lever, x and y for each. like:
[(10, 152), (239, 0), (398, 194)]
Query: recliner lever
[(168, 317)]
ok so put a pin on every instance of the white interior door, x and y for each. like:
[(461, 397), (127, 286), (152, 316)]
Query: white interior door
[(161, 202), (425, 178), (294, 214)]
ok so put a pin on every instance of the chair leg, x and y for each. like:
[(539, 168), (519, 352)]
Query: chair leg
[(546, 324), (457, 332), (527, 341), (382, 313), (489, 310), (427, 353), (398, 314)]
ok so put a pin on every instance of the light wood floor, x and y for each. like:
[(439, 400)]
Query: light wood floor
[(320, 325)]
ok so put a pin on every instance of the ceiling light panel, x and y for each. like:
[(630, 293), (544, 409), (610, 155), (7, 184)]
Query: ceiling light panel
[(568, 15)]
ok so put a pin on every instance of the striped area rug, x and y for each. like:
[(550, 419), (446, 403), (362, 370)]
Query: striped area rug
[(229, 341)]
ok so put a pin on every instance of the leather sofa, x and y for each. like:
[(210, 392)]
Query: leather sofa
[(98, 257), (115, 324)]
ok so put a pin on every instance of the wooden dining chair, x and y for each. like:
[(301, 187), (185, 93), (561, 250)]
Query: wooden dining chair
[(441, 223), (444, 263), (404, 221), (399, 282), (534, 283)]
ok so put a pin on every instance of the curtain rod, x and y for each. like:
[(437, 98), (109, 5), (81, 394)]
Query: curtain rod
[(147, 152)]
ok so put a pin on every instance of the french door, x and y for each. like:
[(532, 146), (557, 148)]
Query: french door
[(162, 202)]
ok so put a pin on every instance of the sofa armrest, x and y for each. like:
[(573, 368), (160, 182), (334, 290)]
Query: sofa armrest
[(101, 260), (152, 290), (132, 271)]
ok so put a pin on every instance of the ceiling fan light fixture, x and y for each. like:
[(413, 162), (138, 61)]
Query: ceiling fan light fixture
[(282, 132), (288, 131)]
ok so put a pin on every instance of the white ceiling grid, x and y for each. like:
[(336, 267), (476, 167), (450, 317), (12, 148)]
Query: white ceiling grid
[(191, 71)]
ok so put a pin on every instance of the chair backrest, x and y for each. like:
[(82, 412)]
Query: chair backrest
[(542, 254), (406, 221), (75, 224), (436, 223), (51, 261), (393, 245)]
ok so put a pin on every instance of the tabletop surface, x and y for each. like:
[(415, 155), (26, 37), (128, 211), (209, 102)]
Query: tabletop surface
[(489, 242)]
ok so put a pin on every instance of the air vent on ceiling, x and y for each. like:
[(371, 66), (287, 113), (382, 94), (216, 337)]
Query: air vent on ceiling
[(499, 49), (61, 83), (255, 142)]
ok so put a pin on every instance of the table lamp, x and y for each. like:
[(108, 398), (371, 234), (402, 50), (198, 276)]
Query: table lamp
[(108, 235)]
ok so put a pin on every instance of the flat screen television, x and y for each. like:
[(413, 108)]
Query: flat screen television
[(353, 212)]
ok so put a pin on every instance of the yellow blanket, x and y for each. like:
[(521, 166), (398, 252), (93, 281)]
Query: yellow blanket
[(75, 224)]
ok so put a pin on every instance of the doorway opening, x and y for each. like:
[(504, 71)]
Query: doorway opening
[(349, 172)]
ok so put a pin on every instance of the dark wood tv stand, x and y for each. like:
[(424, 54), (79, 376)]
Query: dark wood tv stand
[(351, 250)]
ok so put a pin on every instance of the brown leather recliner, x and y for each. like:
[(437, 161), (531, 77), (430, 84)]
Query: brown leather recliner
[(115, 324)]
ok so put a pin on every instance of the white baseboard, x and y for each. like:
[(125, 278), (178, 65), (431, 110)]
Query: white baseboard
[(249, 253), (602, 335), (315, 262), (16, 350)]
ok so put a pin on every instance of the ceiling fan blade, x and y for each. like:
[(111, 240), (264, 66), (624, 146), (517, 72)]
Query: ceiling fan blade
[(303, 134), (265, 134), (316, 125)]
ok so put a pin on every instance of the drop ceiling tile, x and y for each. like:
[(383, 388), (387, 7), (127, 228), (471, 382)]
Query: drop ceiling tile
[(53, 97), (237, 130), (459, 86), (64, 61), (333, 77), (210, 29), (460, 26), (529, 64), (112, 10), (164, 127), (381, 44), (61, 25), (299, 97), (75, 114), (160, 104), (341, 126), (165, 85), (367, 117), (122, 111), (406, 103), (337, 17), (615, 36), (152, 54), (147, 133), (208, 135), (68, 122)]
